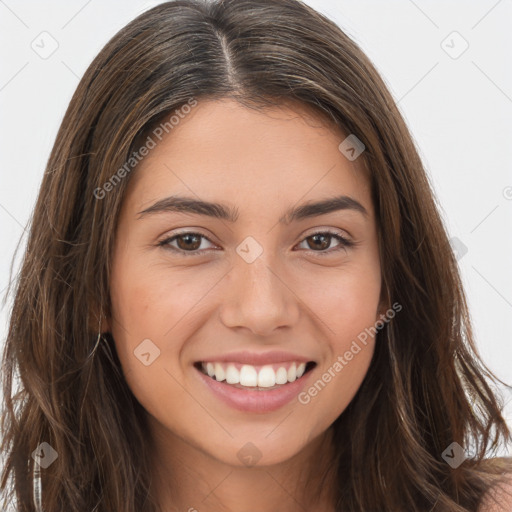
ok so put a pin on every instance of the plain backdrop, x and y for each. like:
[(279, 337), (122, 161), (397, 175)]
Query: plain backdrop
[(447, 64)]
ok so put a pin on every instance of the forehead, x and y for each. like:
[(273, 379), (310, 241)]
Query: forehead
[(225, 151)]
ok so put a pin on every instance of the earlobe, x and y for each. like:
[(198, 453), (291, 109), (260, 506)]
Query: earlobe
[(381, 314), (384, 303), (105, 324), (98, 321)]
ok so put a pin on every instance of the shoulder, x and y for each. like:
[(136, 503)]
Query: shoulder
[(499, 497)]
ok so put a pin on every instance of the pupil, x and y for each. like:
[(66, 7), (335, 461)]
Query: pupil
[(325, 243), (188, 238)]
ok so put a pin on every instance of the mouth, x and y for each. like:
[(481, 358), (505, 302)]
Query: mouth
[(255, 377)]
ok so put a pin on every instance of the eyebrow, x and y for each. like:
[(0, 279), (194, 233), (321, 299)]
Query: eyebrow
[(225, 212)]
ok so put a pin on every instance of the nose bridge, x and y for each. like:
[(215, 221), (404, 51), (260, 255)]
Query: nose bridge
[(258, 296), (261, 278), (256, 265)]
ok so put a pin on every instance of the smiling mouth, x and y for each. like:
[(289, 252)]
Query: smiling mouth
[(255, 378)]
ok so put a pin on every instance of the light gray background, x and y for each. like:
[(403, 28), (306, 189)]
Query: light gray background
[(458, 107)]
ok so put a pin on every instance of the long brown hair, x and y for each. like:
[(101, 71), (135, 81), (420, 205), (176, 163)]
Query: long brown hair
[(426, 387)]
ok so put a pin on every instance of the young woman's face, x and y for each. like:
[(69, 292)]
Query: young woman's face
[(247, 286)]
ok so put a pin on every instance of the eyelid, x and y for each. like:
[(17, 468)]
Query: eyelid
[(332, 231)]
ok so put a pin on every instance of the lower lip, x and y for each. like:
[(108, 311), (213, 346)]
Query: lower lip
[(255, 401)]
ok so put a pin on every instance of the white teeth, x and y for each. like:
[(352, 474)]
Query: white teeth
[(301, 369), (281, 376), (219, 372), (232, 375), (267, 377), (292, 373), (249, 376)]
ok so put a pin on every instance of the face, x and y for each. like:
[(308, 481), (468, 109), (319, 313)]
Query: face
[(270, 289)]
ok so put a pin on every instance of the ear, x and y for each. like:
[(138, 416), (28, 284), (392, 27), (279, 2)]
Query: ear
[(105, 324), (98, 320), (384, 301), (499, 497)]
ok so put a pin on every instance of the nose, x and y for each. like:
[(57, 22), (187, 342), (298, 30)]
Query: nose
[(259, 298)]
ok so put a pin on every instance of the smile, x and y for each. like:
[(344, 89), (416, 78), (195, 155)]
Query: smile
[(269, 376), (253, 388)]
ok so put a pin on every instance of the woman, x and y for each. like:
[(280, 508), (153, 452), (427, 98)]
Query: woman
[(237, 292)]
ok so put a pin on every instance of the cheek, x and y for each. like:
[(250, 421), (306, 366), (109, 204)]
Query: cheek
[(142, 307), (352, 309), (160, 303), (348, 306), (149, 300), (149, 307), (350, 339), (346, 299)]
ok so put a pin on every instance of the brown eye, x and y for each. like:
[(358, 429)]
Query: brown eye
[(320, 242), (187, 243)]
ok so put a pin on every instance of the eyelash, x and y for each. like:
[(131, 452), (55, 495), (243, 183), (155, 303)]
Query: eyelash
[(344, 243)]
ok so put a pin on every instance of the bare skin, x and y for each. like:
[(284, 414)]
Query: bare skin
[(298, 295)]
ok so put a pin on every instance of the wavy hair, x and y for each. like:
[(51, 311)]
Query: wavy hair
[(426, 387)]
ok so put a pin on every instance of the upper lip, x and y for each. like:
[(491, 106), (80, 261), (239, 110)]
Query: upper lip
[(256, 358)]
